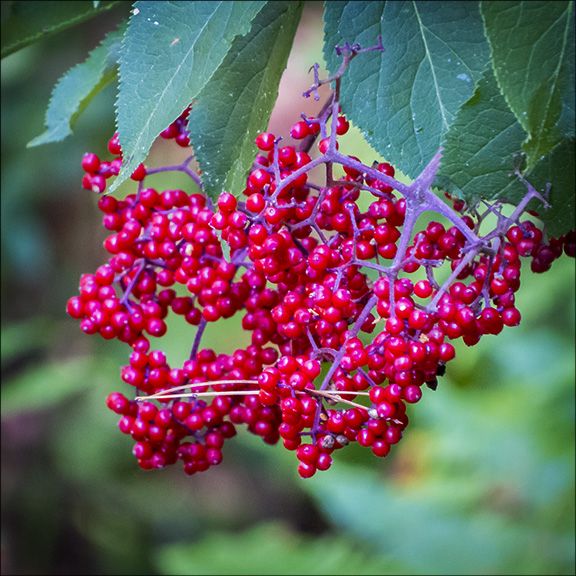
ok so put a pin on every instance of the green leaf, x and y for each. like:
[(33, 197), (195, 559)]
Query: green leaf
[(272, 548), (405, 99), (557, 168), (479, 160), (372, 508), (30, 21), (45, 385), (235, 105), (532, 46), (169, 52), (76, 89), (23, 338)]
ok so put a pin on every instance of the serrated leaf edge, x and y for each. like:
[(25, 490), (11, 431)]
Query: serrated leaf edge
[(520, 118), (124, 175), (107, 75)]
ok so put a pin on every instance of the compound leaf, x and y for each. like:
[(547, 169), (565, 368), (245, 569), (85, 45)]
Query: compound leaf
[(76, 89), (237, 102), (28, 22), (532, 46), (169, 52), (405, 100)]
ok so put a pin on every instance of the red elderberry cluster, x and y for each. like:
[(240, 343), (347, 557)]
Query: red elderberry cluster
[(347, 317)]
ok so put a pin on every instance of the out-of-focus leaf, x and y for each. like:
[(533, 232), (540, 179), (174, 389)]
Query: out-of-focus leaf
[(235, 105), (30, 21), (169, 52), (23, 337), (474, 484), (405, 99), (76, 89), (48, 384), (273, 548), (532, 46)]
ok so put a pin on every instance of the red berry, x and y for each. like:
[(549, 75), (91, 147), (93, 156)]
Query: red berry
[(259, 178), (286, 156), (265, 141), (90, 163), (94, 182), (255, 203), (446, 352), (139, 174), (114, 146), (227, 202), (306, 470), (511, 316), (299, 130), (342, 125), (324, 144)]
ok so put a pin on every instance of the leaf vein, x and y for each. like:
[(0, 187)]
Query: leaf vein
[(429, 58), (159, 101)]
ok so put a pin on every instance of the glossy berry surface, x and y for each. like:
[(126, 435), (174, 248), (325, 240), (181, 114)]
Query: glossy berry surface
[(349, 307)]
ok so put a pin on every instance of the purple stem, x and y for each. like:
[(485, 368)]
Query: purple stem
[(198, 338)]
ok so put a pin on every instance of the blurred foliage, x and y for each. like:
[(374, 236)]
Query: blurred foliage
[(24, 23), (482, 482), (275, 549)]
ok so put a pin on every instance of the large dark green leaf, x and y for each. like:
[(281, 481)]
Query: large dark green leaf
[(405, 99), (27, 22), (76, 89), (478, 159), (237, 102), (532, 46), (481, 151), (169, 52)]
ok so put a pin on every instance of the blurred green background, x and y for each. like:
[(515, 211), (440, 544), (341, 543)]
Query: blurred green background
[(482, 482)]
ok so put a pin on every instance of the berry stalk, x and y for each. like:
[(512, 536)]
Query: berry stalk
[(351, 302)]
